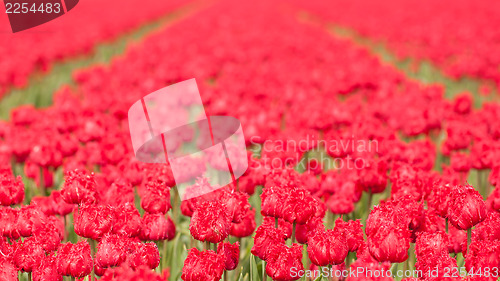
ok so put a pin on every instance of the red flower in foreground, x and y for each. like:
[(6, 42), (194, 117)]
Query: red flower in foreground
[(74, 259), (93, 221), (127, 273), (265, 238), (466, 208), (245, 227), (156, 198), (11, 189), (232, 254), (144, 254), (282, 259), (155, 227), (8, 271), (28, 254), (127, 220), (203, 266), (353, 231), (47, 270), (327, 247), (79, 187), (389, 243), (111, 251), (210, 222)]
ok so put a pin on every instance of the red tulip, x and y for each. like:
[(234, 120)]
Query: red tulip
[(237, 205), (483, 255), (8, 222), (144, 254), (30, 220), (28, 254), (203, 266), (93, 221), (304, 231), (111, 250), (74, 259), (265, 237), (282, 259), (466, 208), (127, 220), (373, 176), (210, 222), (11, 189), (245, 227), (119, 193), (156, 198), (47, 270), (327, 247), (299, 206), (353, 232), (156, 227), (8, 271), (125, 272), (273, 200), (231, 252), (487, 229), (389, 243), (79, 187)]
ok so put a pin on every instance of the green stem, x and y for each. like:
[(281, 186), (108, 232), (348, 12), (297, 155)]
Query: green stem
[(370, 199), (275, 222), (164, 254), (293, 232), (42, 182), (29, 276), (264, 275), (469, 239), (446, 224), (176, 205), (93, 249), (207, 245)]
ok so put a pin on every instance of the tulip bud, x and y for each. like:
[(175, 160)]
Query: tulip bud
[(245, 227), (231, 253)]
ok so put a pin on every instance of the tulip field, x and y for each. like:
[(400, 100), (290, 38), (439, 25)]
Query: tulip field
[(371, 134)]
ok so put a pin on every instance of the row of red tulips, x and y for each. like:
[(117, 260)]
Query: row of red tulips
[(77, 33), (301, 94), (425, 30)]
